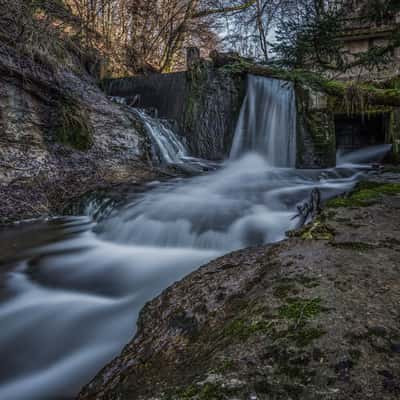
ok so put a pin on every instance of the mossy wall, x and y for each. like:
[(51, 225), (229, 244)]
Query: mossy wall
[(72, 126), (316, 140), (394, 133), (205, 102), (213, 101)]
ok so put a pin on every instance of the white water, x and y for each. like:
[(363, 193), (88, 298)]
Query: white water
[(167, 147), (370, 154), (267, 122), (74, 287)]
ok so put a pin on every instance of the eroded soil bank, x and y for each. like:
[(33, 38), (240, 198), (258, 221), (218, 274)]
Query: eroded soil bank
[(314, 317)]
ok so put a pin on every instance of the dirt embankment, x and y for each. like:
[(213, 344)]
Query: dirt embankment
[(314, 317)]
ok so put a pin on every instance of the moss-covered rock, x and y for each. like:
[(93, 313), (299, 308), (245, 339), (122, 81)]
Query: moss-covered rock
[(316, 140), (73, 127), (365, 193)]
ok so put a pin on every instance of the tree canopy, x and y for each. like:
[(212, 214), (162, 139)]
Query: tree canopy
[(139, 35)]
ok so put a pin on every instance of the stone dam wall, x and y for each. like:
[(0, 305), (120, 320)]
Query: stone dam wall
[(205, 102)]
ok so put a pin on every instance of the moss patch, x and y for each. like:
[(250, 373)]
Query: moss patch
[(365, 193), (73, 126), (304, 336), (242, 329), (299, 310), (208, 391), (317, 230)]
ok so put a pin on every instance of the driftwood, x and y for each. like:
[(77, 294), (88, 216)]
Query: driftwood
[(309, 209)]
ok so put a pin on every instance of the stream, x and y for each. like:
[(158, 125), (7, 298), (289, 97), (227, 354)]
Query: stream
[(72, 287)]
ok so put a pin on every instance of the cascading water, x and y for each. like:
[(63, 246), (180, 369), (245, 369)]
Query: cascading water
[(267, 122), (167, 147), (72, 287)]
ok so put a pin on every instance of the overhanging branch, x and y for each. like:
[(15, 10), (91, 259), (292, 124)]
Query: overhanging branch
[(223, 10)]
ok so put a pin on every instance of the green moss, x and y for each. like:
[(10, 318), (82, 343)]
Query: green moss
[(238, 67), (300, 310), (317, 125), (317, 231), (305, 336), (366, 193), (208, 391), (358, 97), (73, 126), (243, 329), (197, 78), (288, 286)]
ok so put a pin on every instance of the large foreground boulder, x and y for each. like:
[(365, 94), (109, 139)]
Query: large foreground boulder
[(314, 317)]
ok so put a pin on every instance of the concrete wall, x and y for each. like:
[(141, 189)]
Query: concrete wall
[(166, 92), (204, 101)]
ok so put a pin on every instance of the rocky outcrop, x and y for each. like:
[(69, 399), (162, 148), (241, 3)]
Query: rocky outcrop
[(60, 136), (313, 317)]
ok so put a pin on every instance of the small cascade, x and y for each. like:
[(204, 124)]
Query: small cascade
[(267, 122), (167, 147)]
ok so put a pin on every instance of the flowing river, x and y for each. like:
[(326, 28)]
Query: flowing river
[(72, 287)]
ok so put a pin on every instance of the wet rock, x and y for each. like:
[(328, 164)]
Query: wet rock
[(276, 323), (59, 137), (183, 323)]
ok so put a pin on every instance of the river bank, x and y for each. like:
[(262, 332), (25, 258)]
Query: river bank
[(313, 317), (61, 137)]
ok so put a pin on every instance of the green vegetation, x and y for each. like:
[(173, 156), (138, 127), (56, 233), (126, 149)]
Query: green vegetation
[(300, 310), (317, 231), (242, 329), (304, 336), (366, 193), (197, 78), (73, 126), (208, 391)]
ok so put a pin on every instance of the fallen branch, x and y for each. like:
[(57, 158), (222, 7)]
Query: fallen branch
[(312, 208)]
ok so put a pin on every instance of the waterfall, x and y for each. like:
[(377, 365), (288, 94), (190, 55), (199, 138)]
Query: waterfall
[(267, 122), (167, 147)]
